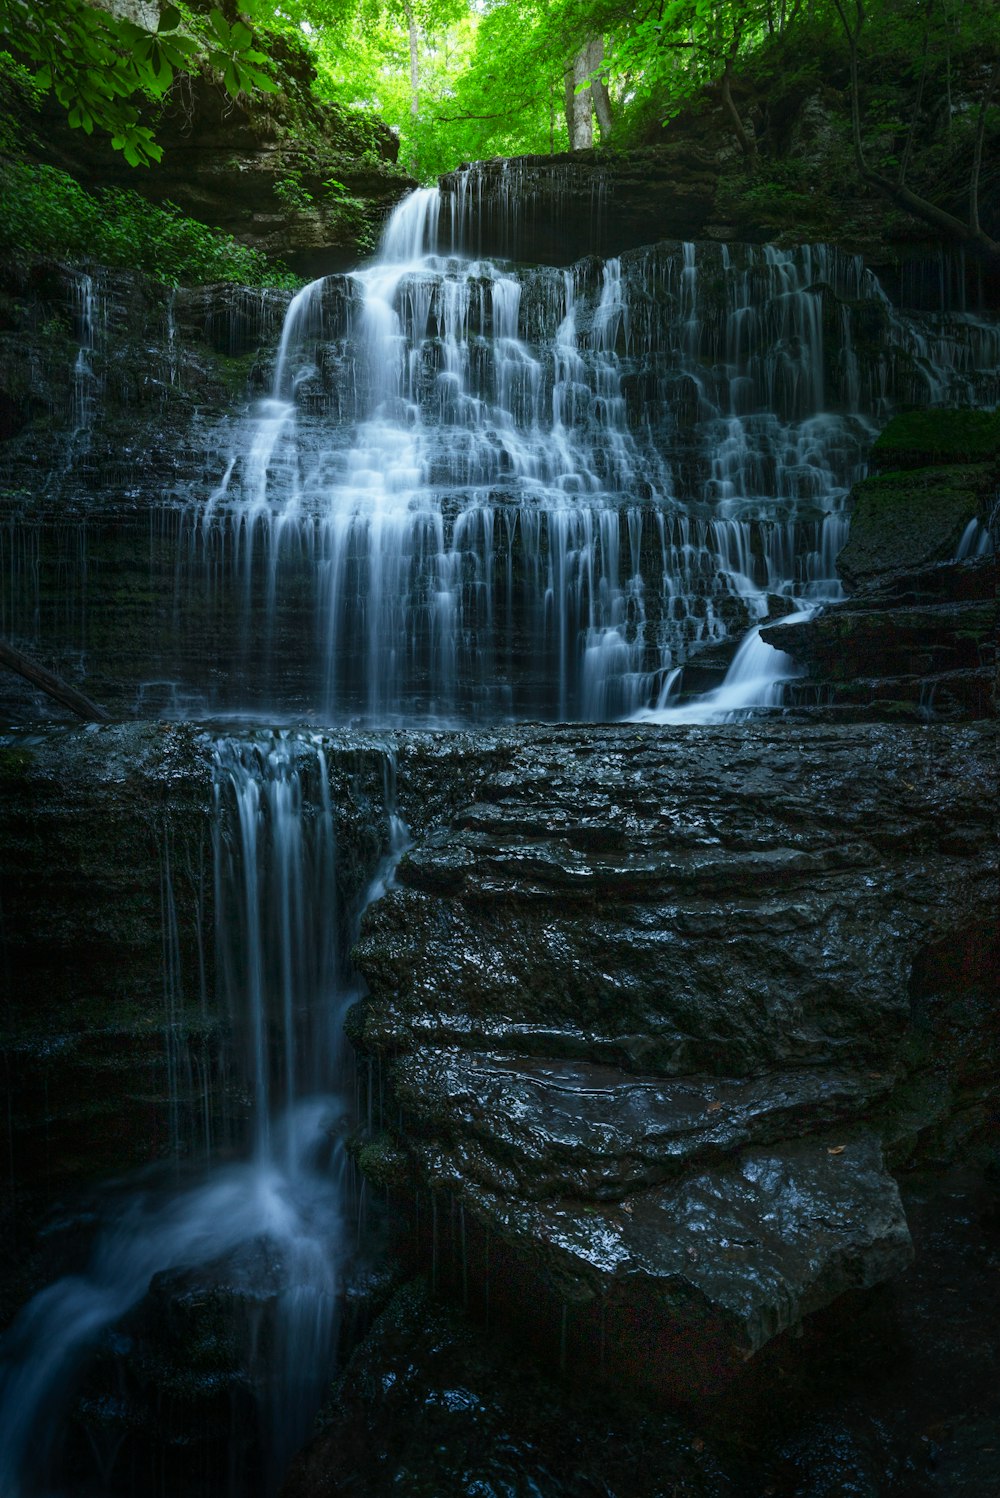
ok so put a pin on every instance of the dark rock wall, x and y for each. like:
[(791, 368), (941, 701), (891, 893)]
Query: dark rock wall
[(918, 636), (638, 981)]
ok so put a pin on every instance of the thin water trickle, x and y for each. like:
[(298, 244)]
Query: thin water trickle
[(282, 976)]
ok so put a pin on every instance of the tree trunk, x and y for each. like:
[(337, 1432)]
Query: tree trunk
[(977, 157), (579, 106), (747, 143), (920, 207), (904, 165), (52, 685), (414, 60), (599, 89)]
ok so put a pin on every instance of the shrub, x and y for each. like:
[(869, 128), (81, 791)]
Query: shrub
[(46, 212)]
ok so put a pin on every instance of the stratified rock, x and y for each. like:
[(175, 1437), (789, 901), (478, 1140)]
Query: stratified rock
[(641, 1008), (556, 209), (917, 638), (429, 1407), (908, 519), (307, 181)]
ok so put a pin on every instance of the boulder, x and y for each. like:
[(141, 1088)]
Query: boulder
[(641, 1019)]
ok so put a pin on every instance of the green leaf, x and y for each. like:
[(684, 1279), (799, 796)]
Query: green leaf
[(231, 79), (240, 36), (178, 49), (220, 26), (170, 19), (164, 76)]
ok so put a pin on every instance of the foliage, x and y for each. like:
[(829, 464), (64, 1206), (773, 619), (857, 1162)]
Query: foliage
[(466, 79), (346, 214), (100, 66), (47, 213)]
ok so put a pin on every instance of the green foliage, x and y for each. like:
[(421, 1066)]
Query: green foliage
[(100, 66), (920, 438), (345, 214), (47, 213), (292, 193)]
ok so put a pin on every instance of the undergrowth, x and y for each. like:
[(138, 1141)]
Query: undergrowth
[(47, 213)]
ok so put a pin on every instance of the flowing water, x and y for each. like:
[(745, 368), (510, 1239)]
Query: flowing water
[(283, 976), (520, 492), (475, 492)]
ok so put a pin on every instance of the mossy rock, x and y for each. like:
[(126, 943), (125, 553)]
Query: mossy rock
[(918, 439), (910, 518), (380, 1160)]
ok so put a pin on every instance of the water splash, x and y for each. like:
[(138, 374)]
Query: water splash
[(283, 979)]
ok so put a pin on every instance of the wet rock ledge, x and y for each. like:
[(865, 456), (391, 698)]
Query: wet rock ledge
[(656, 1015), (917, 635)]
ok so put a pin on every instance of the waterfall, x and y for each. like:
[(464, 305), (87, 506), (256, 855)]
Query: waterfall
[(753, 681), (480, 491), (283, 980)]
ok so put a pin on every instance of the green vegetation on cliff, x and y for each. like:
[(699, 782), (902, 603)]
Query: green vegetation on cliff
[(48, 214), (920, 439), (803, 111)]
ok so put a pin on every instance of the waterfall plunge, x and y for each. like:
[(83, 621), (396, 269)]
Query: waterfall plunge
[(282, 978), (463, 472)]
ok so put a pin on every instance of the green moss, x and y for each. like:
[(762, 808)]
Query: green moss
[(910, 518), (380, 1160), (16, 762), (918, 439)]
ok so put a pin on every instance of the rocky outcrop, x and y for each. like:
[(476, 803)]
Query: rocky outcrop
[(556, 209), (302, 180), (917, 637), (643, 1019), (891, 1394)]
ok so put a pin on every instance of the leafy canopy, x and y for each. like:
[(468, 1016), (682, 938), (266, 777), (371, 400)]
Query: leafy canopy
[(100, 65)]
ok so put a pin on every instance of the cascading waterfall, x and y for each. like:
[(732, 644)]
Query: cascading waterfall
[(283, 980), (507, 492)]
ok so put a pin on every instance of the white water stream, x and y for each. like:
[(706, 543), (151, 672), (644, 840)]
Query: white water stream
[(281, 973)]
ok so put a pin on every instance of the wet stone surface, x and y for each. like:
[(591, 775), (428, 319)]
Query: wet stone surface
[(645, 1016), (888, 1394)]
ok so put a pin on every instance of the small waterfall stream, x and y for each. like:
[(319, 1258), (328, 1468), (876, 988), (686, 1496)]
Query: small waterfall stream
[(283, 977)]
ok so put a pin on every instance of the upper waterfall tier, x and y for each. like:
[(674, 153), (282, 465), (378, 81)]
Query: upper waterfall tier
[(478, 490)]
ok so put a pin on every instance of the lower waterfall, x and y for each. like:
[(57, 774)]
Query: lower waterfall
[(284, 979)]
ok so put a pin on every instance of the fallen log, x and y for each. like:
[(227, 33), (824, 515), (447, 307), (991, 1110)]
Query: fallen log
[(52, 685)]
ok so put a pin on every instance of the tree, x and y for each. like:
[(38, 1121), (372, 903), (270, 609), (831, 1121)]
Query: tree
[(586, 93), (853, 16), (98, 64)]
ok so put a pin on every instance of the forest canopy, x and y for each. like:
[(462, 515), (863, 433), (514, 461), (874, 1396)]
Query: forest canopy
[(918, 80)]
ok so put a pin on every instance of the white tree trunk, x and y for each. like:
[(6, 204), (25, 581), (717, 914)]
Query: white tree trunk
[(579, 106), (599, 89), (414, 58)]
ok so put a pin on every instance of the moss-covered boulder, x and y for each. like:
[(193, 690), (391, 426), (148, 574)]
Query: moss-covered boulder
[(907, 518), (923, 439)]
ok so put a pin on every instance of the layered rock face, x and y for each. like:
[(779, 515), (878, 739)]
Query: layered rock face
[(917, 636), (644, 1013), (307, 182)]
